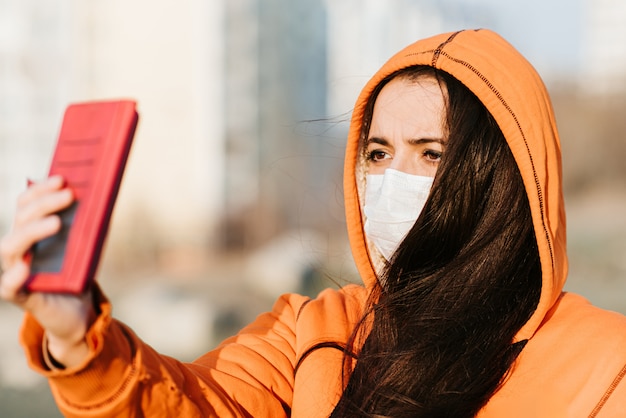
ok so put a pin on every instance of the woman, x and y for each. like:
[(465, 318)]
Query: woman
[(462, 312)]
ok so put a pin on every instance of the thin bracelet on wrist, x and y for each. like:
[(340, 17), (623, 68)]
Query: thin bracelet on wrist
[(49, 361)]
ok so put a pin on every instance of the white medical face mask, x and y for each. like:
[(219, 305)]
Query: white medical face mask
[(393, 201)]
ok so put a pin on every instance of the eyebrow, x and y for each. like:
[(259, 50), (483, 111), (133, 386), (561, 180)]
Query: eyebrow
[(412, 141)]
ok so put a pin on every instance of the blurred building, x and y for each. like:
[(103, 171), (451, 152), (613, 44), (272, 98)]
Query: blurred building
[(222, 87), (34, 78), (275, 81), (167, 56)]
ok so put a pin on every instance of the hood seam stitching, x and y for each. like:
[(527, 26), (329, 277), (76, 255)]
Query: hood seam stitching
[(442, 45), (608, 392)]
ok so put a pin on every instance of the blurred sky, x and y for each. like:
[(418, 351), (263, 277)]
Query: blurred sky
[(547, 32)]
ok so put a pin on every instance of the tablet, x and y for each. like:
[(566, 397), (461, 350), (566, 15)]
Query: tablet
[(91, 153)]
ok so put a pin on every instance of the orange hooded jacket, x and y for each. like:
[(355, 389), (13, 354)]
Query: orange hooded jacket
[(573, 365)]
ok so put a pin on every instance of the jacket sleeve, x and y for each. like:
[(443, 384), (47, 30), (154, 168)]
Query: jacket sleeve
[(250, 374)]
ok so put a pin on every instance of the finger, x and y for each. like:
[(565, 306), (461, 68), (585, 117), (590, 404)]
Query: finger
[(36, 189), (12, 283), (45, 204), (18, 242)]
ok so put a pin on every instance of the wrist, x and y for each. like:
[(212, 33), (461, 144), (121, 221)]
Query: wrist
[(59, 354)]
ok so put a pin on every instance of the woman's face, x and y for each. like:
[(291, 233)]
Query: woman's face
[(407, 130)]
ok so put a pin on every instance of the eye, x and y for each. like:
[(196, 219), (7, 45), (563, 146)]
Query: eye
[(432, 155), (377, 155)]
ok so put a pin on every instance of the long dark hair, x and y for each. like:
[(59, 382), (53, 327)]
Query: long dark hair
[(466, 278)]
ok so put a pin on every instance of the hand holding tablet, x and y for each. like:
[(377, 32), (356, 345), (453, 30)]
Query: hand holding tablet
[(91, 153)]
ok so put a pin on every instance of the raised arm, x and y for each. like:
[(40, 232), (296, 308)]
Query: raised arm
[(98, 366)]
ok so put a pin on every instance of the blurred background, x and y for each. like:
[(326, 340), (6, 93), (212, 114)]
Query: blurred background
[(232, 193)]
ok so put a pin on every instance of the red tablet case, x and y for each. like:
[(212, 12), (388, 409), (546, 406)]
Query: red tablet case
[(91, 154)]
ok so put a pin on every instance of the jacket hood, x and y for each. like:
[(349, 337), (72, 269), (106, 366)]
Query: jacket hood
[(510, 88)]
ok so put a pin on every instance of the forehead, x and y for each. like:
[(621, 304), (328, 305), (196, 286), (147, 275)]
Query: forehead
[(410, 103)]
